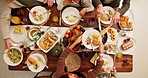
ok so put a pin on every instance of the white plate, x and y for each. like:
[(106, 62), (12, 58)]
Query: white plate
[(18, 37), (41, 10), (35, 57), (68, 12), (52, 30), (130, 14), (88, 33), (120, 42), (106, 58), (111, 51), (7, 60), (109, 38), (106, 8)]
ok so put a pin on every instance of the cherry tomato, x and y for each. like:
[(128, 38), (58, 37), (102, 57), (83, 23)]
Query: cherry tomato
[(68, 32), (74, 49), (77, 27), (66, 35)]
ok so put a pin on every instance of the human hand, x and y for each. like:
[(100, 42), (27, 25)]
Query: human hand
[(7, 43), (9, 0), (100, 10), (49, 2), (83, 11), (67, 2), (79, 39), (101, 48), (116, 18)]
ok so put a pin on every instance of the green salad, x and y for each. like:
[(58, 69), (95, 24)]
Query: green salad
[(14, 55)]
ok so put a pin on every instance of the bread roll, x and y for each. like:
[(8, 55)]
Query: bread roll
[(31, 60)]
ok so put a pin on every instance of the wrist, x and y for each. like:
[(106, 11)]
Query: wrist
[(117, 13), (100, 6)]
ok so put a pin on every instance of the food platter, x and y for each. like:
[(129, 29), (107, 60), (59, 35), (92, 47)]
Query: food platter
[(112, 35), (71, 35), (107, 17), (38, 15), (129, 44), (18, 34), (70, 16), (108, 61), (110, 48), (36, 61), (91, 39), (13, 56), (48, 40), (34, 34), (126, 21)]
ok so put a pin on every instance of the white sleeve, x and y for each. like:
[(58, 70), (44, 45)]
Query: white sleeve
[(5, 12)]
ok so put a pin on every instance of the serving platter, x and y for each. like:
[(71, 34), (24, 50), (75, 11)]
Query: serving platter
[(48, 40), (121, 41)]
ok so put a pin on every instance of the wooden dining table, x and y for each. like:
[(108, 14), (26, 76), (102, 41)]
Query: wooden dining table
[(85, 60)]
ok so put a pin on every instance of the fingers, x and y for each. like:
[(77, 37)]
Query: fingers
[(50, 2), (100, 58), (45, 1)]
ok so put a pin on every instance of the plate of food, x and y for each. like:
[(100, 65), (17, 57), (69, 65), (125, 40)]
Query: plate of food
[(106, 18), (112, 35), (70, 16), (34, 34), (13, 56), (48, 40), (72, 62), (91, 39), (126, 21), (108, 61), (18, 34), (71, 36), (36, 61), (110, 48), (126, 45), (39, 15)]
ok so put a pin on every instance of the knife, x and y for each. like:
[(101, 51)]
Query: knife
[(105, 30), (42, 62), (31, 13), (99, 24)]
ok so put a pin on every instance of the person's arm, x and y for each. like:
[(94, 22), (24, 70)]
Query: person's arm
[(95, 71), (87, 7), (125, 7), (98, 68), (49, 2), (96, 3), (5, 12), (61, 61)]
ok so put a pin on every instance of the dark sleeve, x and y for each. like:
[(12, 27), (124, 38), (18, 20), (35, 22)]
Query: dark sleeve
[(125, 7), (94, 72), (61, 62), (96, 3)]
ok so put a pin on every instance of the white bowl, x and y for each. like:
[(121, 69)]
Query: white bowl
[(7, 60)]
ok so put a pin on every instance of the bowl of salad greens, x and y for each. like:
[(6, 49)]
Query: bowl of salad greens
[(13, 56)]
